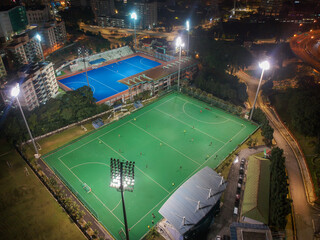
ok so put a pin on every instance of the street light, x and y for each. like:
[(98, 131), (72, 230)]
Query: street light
[(134, 17), (264, 66), (83, 53), (122, 178), (38, 37), (188, 29), (179, 45), (14, 93)]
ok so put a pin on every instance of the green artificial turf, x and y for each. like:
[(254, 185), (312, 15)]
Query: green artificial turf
[(169, 140)]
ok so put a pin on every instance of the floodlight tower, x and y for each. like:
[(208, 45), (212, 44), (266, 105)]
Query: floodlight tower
[(122, 178), (188, 29), (264, 66), (83, 53), (38, 37), (179, 45), (14, 93), (134, 17)]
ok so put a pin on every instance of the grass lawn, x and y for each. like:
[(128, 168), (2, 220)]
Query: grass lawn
[(27, 208), (307, 144)]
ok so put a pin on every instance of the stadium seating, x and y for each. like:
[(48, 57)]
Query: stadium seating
[(97, 123)]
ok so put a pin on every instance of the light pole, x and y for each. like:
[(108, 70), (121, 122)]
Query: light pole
[(83, 53), (264, 66), (14, 93), (134, 17), (122, 178), (179, 45), (39, 41), (188, 29)]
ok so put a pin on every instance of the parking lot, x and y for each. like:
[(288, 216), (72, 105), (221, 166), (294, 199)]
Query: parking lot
[(232, 196)]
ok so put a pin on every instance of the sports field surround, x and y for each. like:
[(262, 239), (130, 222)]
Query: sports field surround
[(169, 140)]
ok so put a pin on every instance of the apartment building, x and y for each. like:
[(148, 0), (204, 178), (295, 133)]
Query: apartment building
[(38, 85), (26, 49), (147, 14), (53, 34), (13, 20), (38, 14)]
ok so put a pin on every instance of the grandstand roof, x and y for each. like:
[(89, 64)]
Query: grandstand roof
[(159, 72), (255, 203), (193, 200)]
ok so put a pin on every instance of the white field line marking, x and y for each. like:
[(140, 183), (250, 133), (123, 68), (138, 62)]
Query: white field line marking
[(135, 166), (82, 83), (116, 72), (117, 204), (136, 66), (89, 163), (107, 208), (189, 125), (185, 112), (91, 191), (165, 143), (212, 113), (146, 64), (103, 84), (107, 132)]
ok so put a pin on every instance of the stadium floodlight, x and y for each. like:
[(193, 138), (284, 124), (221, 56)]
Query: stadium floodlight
[(179, 45), (83, 53), (122, 178), (188, 29), (265, 65), (38, 37), (15, 93), (134, 17)]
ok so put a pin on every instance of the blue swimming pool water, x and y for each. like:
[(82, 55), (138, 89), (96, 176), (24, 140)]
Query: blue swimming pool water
[(99, 60), (104, 80)]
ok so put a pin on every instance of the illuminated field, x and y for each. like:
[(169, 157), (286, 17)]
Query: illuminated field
[(169, 140)]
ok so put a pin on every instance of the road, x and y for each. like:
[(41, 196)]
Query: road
[(305, 215), (307, 47)]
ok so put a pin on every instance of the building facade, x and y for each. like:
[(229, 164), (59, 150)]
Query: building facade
[(12, 22), (38, 15), (3, 71), (53, 34), (25, 49), (38, 86), (147, 14), (271, 7), (111, 22), (102, 8)]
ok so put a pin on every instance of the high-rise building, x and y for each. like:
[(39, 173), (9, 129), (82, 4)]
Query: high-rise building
[(53, 34), (102, 8), (271, 7), (26, 49), (39, 14), (38, 84), (13, 20), (79, 3), (3, 71), (147, 14)]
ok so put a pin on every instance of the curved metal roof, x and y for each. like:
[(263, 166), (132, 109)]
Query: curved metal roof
[(193, 199)]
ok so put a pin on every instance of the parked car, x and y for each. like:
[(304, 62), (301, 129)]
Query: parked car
[(239, 185), (237, 203), (238, 196), (226, 237), (240, 181), (241, 176), (238, 190), (235, 211), (242, 165), (243, 160), (241, 171), (218, 237)]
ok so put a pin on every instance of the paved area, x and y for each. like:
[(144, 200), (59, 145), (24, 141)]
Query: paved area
[(223, 221), (305, 213)]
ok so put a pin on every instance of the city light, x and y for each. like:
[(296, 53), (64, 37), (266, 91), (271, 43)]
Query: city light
[(265, 65), (134, 16), (188, 26), (179, 42), (15, 91), (38, 37)]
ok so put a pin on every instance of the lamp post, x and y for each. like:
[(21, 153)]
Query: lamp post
[(39, 41), (179, 45), (264, 66), (122, 178), (83, 53), (14, 93), (134, 17), (188, 29)]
